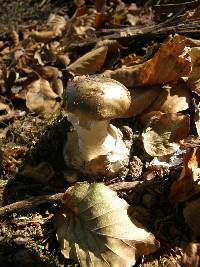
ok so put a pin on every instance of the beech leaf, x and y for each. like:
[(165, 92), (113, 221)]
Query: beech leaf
[(172, 98), (41, 98), (141, 99), (164, 131), (89, 63), (194, 77), (169, 63), (97, 231)]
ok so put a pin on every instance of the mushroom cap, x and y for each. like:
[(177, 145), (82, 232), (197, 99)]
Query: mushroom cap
[(97, 98)]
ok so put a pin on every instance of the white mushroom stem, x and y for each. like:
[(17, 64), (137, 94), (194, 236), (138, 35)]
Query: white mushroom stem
[(97, 138)]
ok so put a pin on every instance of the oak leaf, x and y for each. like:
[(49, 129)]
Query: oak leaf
[(97, 231)]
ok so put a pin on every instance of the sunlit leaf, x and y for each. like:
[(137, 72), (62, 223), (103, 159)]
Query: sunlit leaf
[(168, 64), (97, 231), (89, 63)]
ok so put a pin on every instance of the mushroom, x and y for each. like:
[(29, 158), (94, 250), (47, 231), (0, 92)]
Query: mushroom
[(95, 146)]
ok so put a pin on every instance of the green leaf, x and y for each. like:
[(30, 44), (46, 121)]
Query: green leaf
[(97, 231)]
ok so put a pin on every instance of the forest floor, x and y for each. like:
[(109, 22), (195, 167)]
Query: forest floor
[(40, 45)]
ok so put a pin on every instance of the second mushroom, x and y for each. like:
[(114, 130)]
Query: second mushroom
[(95, 146)]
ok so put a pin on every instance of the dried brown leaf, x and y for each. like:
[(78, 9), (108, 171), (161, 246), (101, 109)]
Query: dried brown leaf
[(188, 183), (191, 255), (172, 98), (89, 63), (194, 77), (41, 98), (141, 99), (57, 23), (15, 37), (43, 36), (57, 86), (113, 53), (169, 63), (49, 72), (164, 132), (63, 59), (9, 157), (27, 56)]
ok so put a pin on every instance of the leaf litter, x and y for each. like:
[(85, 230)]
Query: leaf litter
[(36, 60)]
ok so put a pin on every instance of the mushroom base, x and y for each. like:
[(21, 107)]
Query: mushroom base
[(103, 165)]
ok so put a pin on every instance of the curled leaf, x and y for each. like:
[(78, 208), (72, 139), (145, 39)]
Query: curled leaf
[(164, 131), (41, 98), (55, 26), (97, 231), (43, 36), (89, 63)]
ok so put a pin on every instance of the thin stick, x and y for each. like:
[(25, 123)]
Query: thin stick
[(36, 201)]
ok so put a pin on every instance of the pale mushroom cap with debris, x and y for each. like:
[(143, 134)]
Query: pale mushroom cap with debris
[(97, 98)]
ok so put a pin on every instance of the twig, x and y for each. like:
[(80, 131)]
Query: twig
[(168, 8), (122, 186), (36, 201), (29, 203)]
